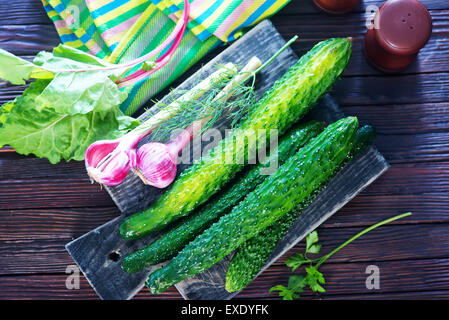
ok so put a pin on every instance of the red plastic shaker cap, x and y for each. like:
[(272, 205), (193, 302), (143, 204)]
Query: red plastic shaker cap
[(402, 28), (336, 6)]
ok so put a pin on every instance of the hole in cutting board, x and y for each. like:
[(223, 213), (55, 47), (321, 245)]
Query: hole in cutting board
[(114, 256)]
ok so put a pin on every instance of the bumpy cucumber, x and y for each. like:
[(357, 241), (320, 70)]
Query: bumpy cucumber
[(287, 101), (254, 253), (364, 137), (278, 194), (169, 244)]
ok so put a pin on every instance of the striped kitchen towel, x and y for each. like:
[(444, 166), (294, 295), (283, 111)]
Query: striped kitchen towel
[(224, 19), (122, 30)]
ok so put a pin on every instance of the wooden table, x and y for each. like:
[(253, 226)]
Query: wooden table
[(43, 206)]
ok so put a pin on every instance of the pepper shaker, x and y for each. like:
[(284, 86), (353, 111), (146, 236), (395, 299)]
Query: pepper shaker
[(401, 29), (336, 6)]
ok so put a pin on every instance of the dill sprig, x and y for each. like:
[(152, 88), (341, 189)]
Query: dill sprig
[(232, 109)]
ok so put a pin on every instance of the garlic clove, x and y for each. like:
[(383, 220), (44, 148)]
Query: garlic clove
[(156, 165), (98, 150), (108, 164)]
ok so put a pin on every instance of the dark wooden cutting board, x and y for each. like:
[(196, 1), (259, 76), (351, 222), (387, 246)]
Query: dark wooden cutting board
[(99, 252)]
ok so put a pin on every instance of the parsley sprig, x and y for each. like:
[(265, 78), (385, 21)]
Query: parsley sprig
[(313, 278)]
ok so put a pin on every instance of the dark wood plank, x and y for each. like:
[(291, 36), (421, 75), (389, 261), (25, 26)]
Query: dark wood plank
[(388, 243), (408, 179), (33, 256), (399, 89), (20, 167), (61, 223), (23, 12), (28, 39), (402, 179), (306, 6), (9, 92), (410, 295), (414, 148), (52, 286), (395, 276), (399, 242), (391, 119), (400, 279), (31, 11), (408, 133), (51, 193), (364, 210)]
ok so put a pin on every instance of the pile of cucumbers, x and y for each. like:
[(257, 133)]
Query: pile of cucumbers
[(253, 211)]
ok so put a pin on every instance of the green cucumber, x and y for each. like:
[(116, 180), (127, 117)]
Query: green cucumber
[(286, 102), (364, 137), (170, 243), (254, 253), (278, 194)]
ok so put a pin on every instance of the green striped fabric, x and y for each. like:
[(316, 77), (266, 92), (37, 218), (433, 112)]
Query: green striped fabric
[(80, 33), (148, 34), (122, 30)]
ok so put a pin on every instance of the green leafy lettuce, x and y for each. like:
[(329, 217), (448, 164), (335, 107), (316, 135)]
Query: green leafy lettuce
[(61, 113), (17, 70)]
